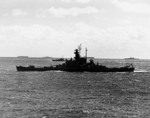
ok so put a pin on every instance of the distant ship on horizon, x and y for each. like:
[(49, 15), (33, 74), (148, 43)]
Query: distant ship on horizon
[(22, 57), (131, 58), (59, 59)]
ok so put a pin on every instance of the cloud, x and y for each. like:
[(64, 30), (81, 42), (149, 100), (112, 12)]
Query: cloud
[(83, 1), (61, 12), (38, 40), (119, 42), (133, 7), (68, 1), (125, 22), (78, 1), (19, 12)]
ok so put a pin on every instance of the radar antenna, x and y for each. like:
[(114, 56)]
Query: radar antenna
[(79, 48)]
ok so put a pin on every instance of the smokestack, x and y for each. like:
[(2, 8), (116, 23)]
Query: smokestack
[(86, 52)]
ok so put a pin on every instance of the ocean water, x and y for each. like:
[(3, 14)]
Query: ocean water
[(55, 94)]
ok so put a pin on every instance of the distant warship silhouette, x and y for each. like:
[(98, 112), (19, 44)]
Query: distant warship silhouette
[(59, 59), (78, 64)]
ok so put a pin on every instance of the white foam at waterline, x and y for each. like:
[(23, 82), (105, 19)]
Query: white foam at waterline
[(58, 71), (140, 71)]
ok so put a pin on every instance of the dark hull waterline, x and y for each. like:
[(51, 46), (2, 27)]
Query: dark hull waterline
[(106, 69)]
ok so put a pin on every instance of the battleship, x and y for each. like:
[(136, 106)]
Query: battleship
[(78, 64)]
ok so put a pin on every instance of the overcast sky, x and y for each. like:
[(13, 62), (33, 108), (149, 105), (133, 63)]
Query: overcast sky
[(108, 28)]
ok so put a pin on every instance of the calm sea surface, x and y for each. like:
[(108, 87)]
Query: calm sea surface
[(56, 94)]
